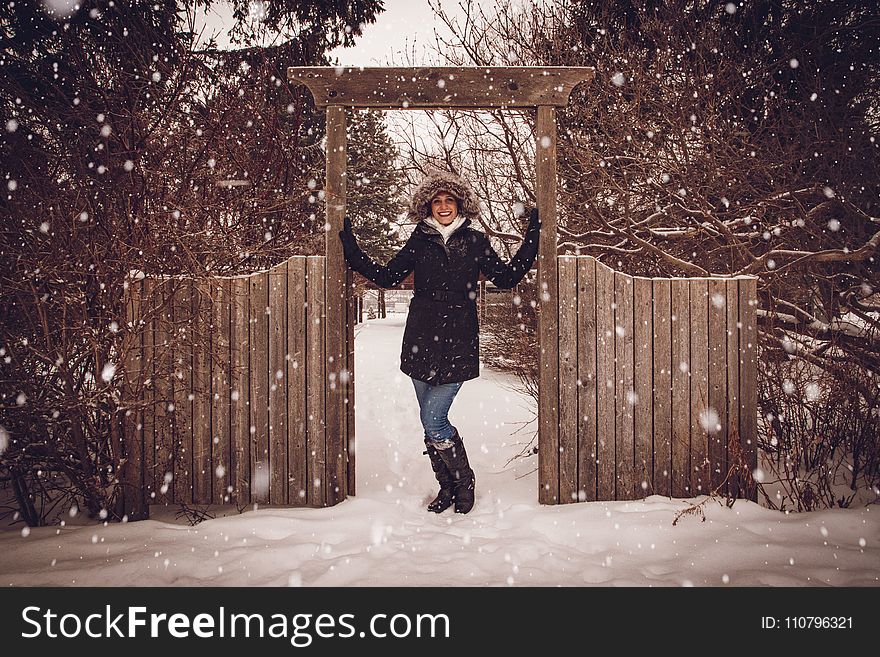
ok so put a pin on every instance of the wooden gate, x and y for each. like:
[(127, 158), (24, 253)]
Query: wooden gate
[(292, 441), (230, 383), (657, 389)]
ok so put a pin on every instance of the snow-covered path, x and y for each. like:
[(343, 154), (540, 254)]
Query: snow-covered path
[(384, 537)]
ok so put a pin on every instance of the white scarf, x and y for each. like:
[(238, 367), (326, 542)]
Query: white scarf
[(445, 231)]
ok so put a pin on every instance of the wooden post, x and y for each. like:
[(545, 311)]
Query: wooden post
[(548, 318), (338, 287)]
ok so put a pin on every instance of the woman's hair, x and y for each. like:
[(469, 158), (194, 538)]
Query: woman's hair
[(436, 181)]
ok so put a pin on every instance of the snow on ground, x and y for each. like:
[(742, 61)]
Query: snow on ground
[(385, 537)]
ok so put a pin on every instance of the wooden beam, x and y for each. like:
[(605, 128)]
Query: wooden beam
[(437, 87), (548, 306), (335, 324)]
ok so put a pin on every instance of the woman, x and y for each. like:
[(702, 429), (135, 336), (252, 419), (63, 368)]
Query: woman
[(441, 345)]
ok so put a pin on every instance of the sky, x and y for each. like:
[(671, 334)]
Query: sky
[(384, 536)]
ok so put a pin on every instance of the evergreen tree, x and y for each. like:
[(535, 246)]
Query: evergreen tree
[(375, 184)]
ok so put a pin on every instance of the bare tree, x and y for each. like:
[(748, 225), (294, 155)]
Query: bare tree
[(723, 139)]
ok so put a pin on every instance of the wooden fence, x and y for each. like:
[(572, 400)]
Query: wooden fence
[(657, 383), (231, 394)]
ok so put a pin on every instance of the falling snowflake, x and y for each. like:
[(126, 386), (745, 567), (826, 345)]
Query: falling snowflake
[(60, 8), (108, 372), (4, 440), (260, 482), (812, 391), (709, 420), (618, 79)]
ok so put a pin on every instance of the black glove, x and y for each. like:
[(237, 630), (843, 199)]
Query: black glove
[(349, 242), (534, 221)]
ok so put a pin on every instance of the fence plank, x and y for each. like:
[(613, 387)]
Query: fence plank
[(150, 307), (623, 357), (748, 377), (221, 377), (296, 381), (259, 386), (700, 475), (183, 414), (605, 398), (163, 466), (717, 434), (663, 366), (732, 401), (643, 380), (568, 390), (277, 280), (131, 500), (315, 383), (681, 388), (335, 307), (239, 397), (201, 390), (586, 368), (548, 315)]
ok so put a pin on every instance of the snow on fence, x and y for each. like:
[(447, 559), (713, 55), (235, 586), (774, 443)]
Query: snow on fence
[(657, 383), (230, 391)]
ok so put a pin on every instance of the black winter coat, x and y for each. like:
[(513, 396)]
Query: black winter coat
[(441, 341)]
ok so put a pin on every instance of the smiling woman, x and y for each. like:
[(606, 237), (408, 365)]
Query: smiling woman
[(441, 346)]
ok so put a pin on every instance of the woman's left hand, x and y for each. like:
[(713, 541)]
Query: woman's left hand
[(534, 221)]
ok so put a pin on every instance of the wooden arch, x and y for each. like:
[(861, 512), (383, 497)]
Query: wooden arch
[(540, 88)]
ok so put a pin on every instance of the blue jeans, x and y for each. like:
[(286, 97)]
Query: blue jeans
[(434, 403)]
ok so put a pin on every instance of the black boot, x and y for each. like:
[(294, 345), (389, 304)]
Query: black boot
[(444, 498), (456, 460)]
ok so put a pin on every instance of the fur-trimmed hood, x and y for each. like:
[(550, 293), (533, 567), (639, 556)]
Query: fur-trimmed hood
[(436, 181)]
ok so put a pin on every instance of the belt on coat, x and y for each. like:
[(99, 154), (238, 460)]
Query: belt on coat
[(452, 298)]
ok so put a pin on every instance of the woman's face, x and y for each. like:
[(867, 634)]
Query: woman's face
[(444, 208)]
